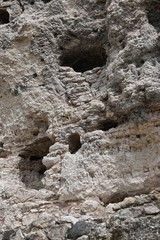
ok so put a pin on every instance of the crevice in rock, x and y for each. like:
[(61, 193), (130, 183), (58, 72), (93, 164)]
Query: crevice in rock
[(107, 124), (4, 16), (46, 1), (30, 166), (120, 196), (115, 198), (83, 58), (74, 142)]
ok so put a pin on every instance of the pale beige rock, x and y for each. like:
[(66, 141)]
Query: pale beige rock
[(48, 183)]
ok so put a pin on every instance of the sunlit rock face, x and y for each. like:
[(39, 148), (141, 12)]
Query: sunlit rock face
[(80, 119)]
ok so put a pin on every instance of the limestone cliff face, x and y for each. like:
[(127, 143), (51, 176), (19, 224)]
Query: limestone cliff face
[(80, 119)]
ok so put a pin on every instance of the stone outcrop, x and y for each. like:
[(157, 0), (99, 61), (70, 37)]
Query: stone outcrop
[(80, 119)]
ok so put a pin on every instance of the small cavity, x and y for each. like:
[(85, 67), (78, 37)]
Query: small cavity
[(39, 147), (83, 58), (7, 235), (34, 75), (138, 136), (4, 16), (31, 2), (31, 167), (107, 124), (74, 142), (139, 63), (46, 1), (32, 171)]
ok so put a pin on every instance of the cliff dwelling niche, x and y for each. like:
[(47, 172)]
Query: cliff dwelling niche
[(74, 142), (30, 166), (4, 16), (107, 124), (83, 58)]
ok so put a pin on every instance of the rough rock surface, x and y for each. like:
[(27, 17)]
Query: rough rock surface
[(80, 119)]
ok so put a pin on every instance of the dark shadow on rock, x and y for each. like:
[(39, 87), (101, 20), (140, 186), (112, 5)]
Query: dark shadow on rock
[(79, 229)]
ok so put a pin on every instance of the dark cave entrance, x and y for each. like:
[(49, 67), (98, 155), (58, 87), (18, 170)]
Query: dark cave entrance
[(153, 15), (85, 58), (107, 124), (30, 166), (74, 142), (4, 16), (32, 171)]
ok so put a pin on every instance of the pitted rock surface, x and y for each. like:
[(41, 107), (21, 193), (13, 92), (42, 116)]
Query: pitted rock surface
[(80, 119)]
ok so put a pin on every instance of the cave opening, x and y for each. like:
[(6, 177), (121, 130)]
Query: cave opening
[(30, 165), (85, 58), (107, 124), (32, 171), (154, 16), (4, 16), (74, 142)]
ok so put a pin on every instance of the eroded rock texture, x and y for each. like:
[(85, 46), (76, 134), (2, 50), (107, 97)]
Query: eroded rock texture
[(80, 122)]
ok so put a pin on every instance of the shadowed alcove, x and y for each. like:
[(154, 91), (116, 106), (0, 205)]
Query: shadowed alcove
[(46, 1), (30, 166), (4, 16), (153, 14), (74, 142), (107, 124), (83, 58)]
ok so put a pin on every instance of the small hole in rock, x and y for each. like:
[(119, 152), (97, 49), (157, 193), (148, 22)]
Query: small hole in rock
[(46, 1), (139, 63), (74, 142), (31, 2), (34, 75), (85, 58), (105, 125), (4, 16), (115, 198)]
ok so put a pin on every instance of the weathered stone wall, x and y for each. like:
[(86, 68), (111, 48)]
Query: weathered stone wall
[(79, 122)]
